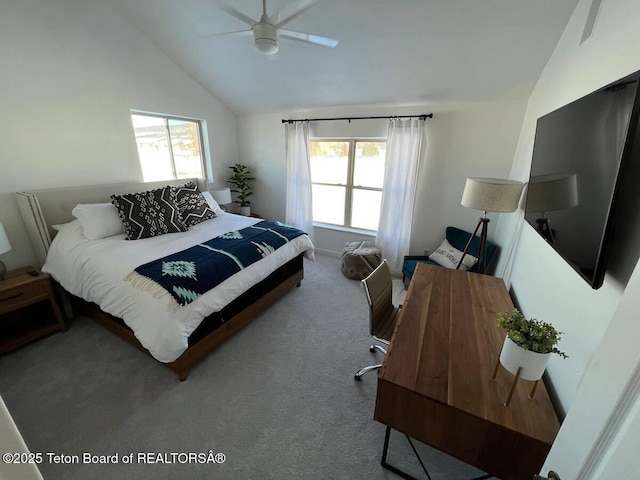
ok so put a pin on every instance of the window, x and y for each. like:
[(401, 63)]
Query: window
[(347, 178), (169, 147)]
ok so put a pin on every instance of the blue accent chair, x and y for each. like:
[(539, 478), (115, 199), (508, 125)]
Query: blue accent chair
[(458, 239)]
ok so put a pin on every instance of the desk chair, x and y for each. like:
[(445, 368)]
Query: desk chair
[(378, 287)]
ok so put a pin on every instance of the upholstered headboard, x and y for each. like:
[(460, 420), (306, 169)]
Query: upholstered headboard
[(41, 209)]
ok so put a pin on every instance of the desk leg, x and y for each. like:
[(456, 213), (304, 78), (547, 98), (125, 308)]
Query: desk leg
[(405, 475), (393, 469)]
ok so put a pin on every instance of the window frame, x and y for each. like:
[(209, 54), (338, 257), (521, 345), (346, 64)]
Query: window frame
[(166, 118), (349, 187)]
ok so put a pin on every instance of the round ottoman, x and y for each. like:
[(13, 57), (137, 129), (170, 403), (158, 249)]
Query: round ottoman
[(359, 259)]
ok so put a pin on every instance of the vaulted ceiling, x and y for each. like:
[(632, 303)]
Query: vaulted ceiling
[(391, 52)]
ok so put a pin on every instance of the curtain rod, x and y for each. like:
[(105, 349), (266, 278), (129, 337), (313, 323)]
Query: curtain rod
[(391, 117)]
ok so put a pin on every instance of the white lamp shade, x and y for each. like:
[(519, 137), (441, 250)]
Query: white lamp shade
[(221, 195), (492, 194), (5, 246), (547, 193)]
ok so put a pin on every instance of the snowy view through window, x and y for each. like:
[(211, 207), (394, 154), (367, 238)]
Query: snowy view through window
[(347, 178), (168, 147)]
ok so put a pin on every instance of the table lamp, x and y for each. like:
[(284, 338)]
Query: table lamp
[(488, 195), (547, 193), (5, 246), (222, 196)]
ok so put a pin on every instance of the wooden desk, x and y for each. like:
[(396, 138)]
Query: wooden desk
[(435, 383)]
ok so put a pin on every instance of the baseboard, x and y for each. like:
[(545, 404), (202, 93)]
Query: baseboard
[(328, 253)]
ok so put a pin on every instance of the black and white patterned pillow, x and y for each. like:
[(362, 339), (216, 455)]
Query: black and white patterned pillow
[(149, 214), (192, 205)]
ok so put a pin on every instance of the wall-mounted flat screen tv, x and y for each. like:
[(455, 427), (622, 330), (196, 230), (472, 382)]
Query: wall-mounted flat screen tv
[(579, 156)]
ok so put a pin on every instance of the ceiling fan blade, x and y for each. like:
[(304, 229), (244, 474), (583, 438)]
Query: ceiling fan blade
[(240, 33), (291, 11), (309, 38), (235, 13)]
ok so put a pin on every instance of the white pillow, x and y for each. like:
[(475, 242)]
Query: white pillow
[(58, 227), (99, 220), (212, 203), (449, 257)]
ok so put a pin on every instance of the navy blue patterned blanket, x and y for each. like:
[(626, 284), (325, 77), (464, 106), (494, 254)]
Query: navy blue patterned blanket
[(190, 273)]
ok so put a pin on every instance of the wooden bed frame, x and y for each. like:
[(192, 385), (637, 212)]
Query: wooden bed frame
[(43, 208), (196, 352)]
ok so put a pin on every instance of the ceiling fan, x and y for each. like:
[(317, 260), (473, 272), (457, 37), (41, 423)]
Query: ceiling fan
[(267, 30)]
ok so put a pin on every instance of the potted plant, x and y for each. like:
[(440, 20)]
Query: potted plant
[(240, 179), (528, 344)]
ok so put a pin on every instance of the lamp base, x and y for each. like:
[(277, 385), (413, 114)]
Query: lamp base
[(3, 270), (482, 251), (544, 228)]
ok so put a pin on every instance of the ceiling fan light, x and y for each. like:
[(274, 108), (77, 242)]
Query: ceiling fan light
[(265, 36), (267, 46)]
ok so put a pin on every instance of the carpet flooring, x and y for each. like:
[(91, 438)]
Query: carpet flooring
[(278, 399)]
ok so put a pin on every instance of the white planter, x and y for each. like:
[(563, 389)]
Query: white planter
[(246, 211), (532, 363)]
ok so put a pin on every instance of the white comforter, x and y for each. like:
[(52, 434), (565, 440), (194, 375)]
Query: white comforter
[(95, 270)]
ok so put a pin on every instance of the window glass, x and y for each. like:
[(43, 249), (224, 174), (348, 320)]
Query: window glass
[(369, 164), (151, 137), (185, 142), (328, 204), (365, 212), (329, 162)]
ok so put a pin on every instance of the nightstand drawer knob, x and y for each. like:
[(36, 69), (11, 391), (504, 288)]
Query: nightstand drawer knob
[(11, 297)]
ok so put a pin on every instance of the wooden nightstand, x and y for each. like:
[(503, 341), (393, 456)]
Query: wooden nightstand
[(28, 308)]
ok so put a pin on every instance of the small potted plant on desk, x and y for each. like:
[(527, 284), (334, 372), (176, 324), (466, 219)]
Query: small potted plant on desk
[(527, 348), (241, 179)]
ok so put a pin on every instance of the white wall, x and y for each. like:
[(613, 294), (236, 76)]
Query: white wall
[(600, 437), (71, 72), (543, 284), (467, 139)]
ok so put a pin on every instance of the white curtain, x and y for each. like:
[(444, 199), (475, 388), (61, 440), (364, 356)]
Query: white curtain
[(299, 212), (405, 139)]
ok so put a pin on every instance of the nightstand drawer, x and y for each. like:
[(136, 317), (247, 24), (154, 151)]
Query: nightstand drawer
[(22, 295)]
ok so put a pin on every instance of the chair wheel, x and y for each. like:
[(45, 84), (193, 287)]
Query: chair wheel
[(372, 349), (358, 378)]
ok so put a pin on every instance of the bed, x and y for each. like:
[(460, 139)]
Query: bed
[(175, 335)]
